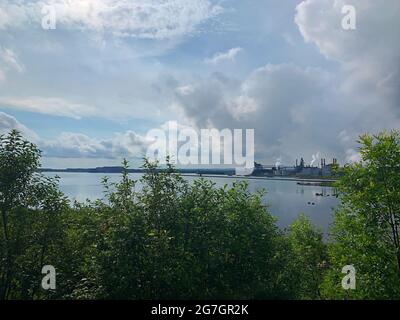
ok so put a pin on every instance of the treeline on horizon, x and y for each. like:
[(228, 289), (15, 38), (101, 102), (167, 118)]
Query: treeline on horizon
[(178, 240)]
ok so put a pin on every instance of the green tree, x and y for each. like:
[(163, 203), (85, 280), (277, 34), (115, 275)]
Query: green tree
[(28, 204), (175, 240), (366, 228), (308, 258)]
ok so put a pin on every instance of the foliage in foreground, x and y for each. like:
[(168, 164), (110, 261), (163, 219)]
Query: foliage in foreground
[(170, 239), (366, 229)]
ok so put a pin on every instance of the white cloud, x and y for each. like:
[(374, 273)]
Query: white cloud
[(369, 55), (52, 106), (184, 90), (283, 103), (8, 123), (128, 144), (11, 60), (297, 110), (319, 22), (369, 76), (77, 145), (243, 106), (15, 13), (230, 55), (151, 19), (3, 18)]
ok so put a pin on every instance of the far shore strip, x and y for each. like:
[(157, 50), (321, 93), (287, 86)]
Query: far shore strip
[(256, 178)]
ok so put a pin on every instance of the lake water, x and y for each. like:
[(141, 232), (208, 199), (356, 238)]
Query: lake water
[(286, 199)]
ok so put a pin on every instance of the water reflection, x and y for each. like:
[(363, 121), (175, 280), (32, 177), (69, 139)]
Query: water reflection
[(286, 199)]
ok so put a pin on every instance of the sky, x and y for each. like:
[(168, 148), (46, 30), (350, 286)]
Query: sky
[(88, 91)]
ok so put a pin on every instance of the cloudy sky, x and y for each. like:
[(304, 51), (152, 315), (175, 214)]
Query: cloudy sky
[(89, 91)]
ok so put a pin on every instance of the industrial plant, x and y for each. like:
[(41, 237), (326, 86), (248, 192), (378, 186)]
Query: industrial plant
[(298, 170)]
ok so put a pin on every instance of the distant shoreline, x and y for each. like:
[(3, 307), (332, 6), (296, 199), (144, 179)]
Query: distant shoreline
[(262, 178), (203, 175)]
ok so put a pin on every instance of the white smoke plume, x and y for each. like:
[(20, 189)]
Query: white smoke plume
[(315, 158)]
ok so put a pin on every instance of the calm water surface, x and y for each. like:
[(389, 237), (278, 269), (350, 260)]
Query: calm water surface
[(286, 199)]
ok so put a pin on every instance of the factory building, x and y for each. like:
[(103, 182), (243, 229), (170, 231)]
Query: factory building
[(300, 169)]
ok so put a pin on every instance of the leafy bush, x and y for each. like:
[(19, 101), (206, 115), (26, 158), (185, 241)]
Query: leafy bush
[(171, 239)]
